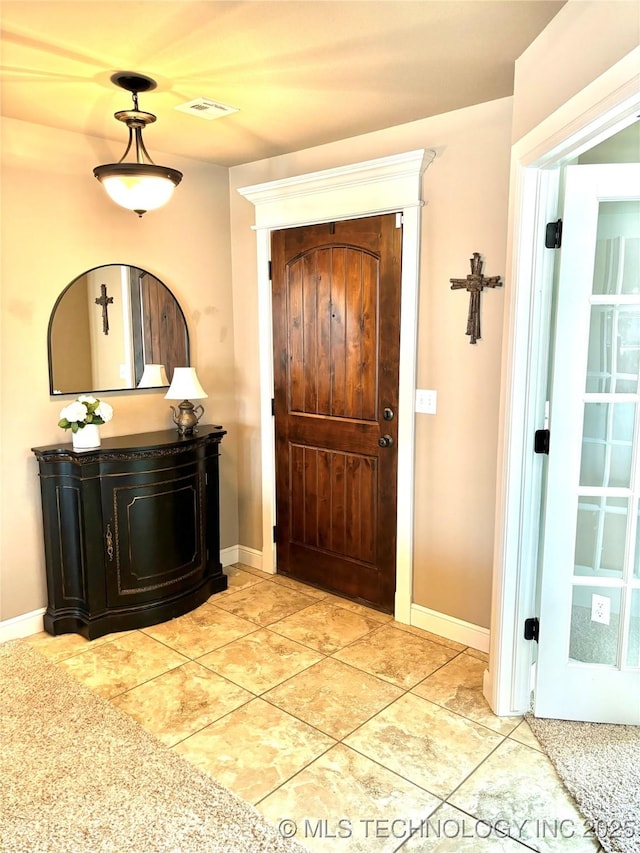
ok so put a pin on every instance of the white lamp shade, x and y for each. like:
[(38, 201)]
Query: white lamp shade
[(185, 385), (139, 192), (153, 376)]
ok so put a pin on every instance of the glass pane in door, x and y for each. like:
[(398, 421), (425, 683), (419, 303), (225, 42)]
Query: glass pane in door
[(614, 349), (607, 438), (617, 259), (633, 652), (636, 562), (595, 625), (600, 536)]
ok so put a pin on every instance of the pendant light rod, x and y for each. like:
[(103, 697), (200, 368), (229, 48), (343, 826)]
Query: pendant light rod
[(136, 121)]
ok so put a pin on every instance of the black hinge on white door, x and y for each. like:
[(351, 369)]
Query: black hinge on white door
[(541, 441), (553, 235), (542, 437), (532, 629)]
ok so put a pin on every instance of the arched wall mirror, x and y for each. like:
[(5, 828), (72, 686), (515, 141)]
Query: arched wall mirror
[(109, 324)]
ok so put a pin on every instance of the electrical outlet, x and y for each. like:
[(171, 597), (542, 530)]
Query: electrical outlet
[(600, 609), (426, 401)]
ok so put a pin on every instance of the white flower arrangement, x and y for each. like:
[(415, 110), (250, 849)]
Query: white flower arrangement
[(85, 410)]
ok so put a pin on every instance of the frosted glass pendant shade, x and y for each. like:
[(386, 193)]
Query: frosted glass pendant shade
[(143, 193)]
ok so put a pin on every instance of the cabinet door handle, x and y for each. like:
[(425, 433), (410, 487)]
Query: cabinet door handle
[(109, 540)]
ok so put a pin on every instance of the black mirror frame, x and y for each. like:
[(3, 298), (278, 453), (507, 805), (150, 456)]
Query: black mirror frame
[(127, 390)]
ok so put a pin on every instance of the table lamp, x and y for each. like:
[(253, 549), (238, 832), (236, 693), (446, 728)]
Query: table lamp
[(185, 384)]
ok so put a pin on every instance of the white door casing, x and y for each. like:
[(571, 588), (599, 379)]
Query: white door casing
[(386, 185)]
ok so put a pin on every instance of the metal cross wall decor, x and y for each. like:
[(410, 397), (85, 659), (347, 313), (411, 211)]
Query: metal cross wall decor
[(474, 283), (104, 300)]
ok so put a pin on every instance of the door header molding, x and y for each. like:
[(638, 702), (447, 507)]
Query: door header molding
[(376, 186)]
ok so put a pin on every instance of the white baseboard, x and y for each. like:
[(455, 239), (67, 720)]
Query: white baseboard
[(241, 554), (250, 557), (450, 627), (229, 556), (22, 626)]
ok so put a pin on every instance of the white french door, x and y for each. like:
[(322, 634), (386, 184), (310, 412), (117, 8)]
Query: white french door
[(589, 649)]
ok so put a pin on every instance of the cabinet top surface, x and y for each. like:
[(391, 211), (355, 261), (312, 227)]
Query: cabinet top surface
[(159, 440)]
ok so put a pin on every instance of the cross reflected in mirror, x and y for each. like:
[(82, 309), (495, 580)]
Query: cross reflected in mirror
[(104, 301)]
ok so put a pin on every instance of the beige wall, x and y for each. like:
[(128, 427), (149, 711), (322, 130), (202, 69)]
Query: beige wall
[(466, 191), (580, 43), (57, 222)]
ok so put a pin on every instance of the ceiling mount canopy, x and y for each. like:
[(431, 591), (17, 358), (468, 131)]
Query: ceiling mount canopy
[(139, 184)]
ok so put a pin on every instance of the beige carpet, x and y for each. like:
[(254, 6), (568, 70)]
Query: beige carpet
[(78, 776), (600, 766)]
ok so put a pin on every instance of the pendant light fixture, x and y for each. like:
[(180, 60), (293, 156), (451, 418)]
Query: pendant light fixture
[(138, 185)]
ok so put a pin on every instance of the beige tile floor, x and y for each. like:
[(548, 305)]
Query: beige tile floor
[(341, 725)]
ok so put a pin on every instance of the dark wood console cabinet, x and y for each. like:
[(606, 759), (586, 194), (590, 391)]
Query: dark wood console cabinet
[(131, 530)]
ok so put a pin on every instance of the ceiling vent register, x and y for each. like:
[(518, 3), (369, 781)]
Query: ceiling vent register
[(205, 108)]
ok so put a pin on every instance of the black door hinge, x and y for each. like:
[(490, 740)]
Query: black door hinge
[(532, 629), (541, 441), (273, 407), (274, 533), (553, 235), (270, 271)]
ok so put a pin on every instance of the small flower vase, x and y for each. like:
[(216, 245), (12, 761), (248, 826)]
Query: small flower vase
[(86, 438)]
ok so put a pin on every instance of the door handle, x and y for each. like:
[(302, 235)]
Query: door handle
[(109, 541), (388, 414), (385, 441)]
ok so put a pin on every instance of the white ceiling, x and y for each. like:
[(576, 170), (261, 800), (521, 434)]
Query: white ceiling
[(301, 73)]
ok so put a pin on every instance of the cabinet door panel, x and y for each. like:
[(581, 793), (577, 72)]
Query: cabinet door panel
[(158, 537), (162, 530)]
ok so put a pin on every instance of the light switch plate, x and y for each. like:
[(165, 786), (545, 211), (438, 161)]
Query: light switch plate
[(426, 401)]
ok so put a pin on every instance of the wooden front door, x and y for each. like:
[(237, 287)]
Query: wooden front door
[(336, 312)]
